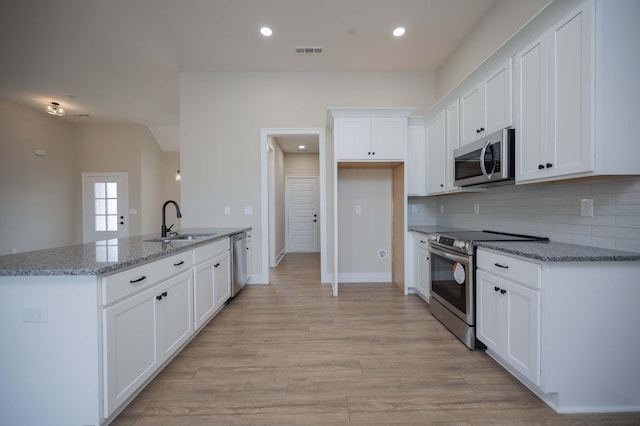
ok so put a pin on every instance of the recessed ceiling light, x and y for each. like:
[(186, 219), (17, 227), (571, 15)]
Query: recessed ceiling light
[(301, 147), (266, 31), (399, 32)]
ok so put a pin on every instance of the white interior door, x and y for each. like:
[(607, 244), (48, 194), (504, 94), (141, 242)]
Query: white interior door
[(105, 206), (301, 195)]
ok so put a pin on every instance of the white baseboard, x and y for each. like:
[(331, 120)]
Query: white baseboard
[(364, 277)]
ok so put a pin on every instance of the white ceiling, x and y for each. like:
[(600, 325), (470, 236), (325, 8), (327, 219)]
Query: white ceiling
[(119, 60), (291, 143)]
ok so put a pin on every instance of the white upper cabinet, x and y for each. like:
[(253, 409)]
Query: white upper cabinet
[(436, 140), (371, 138), (553, 93), (452, 141), (487, 107), (370, 134), (416, 157)]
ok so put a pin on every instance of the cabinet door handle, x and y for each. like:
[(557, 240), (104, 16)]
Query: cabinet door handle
[(164, 293), (369, 153), (482, 129), (496, 289), (423, 242), (179, 263), (159, 297), (501, 266), (540, 166), (548, 165), (216, 265), (502, 291), (142, 278)]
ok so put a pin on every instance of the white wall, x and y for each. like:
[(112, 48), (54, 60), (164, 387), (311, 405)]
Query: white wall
[(301, 164), (41, 197), (279, 215), (170, 188), (221, 115), (361, 235), (553, 210), (151, 179), (120, 148), (37, 196), (502, 20)]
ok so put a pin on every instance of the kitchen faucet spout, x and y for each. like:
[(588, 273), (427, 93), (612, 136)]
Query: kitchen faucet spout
[(163, 232)]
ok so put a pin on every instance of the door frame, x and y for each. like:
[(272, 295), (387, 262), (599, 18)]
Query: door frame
[(265, 133), (87, 175), (287, 189)]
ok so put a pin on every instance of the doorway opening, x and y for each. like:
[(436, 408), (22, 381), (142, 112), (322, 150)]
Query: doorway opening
[(293, 195)]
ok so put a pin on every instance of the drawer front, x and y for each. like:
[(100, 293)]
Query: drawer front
[(126, 283), (200, 254), (422, 241), (508, 267)]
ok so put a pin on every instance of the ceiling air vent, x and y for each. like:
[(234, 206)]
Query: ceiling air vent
[(309, 50)]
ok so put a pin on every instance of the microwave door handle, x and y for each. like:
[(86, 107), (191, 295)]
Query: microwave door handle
[(482, 154)]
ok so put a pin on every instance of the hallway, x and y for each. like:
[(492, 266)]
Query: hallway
[(291, 353)]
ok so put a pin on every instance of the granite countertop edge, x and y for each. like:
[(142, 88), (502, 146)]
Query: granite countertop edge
[(73, 261), (551, 251)]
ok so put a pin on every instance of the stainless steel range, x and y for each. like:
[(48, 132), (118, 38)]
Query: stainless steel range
[(452, 283)]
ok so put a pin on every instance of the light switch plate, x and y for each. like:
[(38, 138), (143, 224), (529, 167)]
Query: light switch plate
[(248, 210), (358, 209), (35, 313)]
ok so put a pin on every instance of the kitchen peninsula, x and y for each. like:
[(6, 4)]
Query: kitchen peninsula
[(86, 327)]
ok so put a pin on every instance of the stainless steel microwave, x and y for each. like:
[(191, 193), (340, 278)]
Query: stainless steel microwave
[(487, 161)]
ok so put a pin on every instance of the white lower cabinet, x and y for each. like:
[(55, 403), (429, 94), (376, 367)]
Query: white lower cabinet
[(212, 280), (141, 332), (509, 322), (563, 328), (423, 267), (222, 278)]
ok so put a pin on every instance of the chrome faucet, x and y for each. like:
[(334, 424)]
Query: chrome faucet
[(163, 233)]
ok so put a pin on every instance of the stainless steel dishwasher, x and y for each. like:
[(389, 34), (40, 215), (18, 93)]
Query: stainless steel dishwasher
[(238, 262)]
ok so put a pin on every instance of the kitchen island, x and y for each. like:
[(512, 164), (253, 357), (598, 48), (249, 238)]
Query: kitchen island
[(86, 327)]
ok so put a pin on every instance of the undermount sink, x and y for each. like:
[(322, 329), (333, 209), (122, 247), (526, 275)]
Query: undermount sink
[(180, 238)]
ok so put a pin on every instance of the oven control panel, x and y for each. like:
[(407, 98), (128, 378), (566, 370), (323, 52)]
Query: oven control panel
[(452, 243)]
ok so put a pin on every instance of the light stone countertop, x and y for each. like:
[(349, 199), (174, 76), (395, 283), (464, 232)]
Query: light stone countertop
[(86, 259), (432, 229), (551, 251)]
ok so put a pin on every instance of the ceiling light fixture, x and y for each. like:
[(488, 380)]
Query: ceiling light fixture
[(266, 31), (399, 32), (178, 177), (301, 147), (55, 109)]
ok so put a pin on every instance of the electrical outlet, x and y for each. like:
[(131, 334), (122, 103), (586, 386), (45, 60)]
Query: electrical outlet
[(414, 209), (586, 207), (248, 210), (358, 209), (476, 208), (35, 313), (441, 208), (227, 211)]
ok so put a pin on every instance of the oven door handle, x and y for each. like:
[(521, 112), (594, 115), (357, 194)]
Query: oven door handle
[(457, 258)]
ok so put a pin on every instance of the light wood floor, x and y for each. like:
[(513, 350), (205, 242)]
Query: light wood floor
[(291, 353)]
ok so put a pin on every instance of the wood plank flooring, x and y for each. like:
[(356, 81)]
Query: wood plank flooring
[(291, 353)]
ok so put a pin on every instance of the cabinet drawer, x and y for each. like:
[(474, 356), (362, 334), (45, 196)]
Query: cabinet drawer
[(125, 283), (508, 267), (203, 253), (422, 241)]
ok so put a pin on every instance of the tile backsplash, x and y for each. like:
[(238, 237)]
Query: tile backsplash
[(551, 210)]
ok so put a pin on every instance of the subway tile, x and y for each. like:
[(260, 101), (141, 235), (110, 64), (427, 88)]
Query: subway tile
[(628, 198), (613, 232), (627, 221), (588, 240), (572, 229)]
